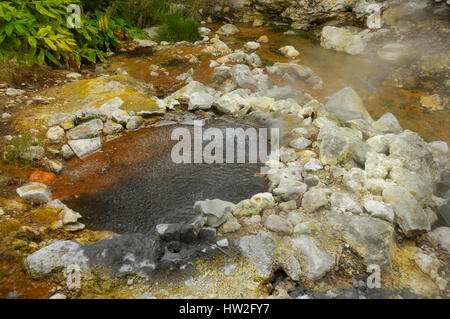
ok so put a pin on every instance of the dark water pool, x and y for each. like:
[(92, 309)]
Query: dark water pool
[(160, 191)]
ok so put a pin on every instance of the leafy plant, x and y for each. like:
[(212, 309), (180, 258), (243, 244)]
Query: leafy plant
[(177, 27), (20, 145)]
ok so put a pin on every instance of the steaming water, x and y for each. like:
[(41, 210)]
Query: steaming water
[(160, 191)]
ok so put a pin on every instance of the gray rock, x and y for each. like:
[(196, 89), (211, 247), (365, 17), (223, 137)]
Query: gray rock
[(251, 46), (442, 234), (314, 199), (288, 206), (388, 123), (414, 154), (67, 152), (290, 189), (441, 153), (85, 147), (185, 92), (379, 144), (380, 210), (345, 203), (227, 30), (200, 101), (420, 187), (14, 92), (278, 224), (168, 232), (300, 143), (443, 186), (35, 191), (346, 105), (263, 200), (135, 123), (112, 128), (207, 234), (313, 165), (57, 256), (276, 175), (191, 229), (215, 211), (60, 118), (341, 39), (377, 165), (444, 211), (90, 113), (260, 251), (355, 180), (55, 134), (314, 260), (289, 51), (86, 130), (409, 215), (231, 225), (370, 237), (229, 103)]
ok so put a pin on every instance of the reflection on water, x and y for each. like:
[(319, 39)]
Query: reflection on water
[(154, 189)]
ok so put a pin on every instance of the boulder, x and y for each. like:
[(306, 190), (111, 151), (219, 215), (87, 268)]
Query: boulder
[(85, 147), (341, 39), (370, 237), (260, 251), (380, 210), (314, 199), (278, 224), (200, 101), (227, 30), (55, 134), (388, 123), (35, 191), (86, 130), (409, 215), (314, 260), (214, 210), (345, 202), (346, 105), (57, 256)]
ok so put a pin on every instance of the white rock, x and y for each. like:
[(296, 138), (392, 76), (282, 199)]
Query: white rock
[(223, 243), (85, 147), (200, 101), (300, 143), (35, 191), (227, 30), (313, 165), (74, 76), (55, 134), (380, 210), (263, 200), (14, 92), (6, 116), (252, 46), (341, 39), (314, 199), (289, 51)]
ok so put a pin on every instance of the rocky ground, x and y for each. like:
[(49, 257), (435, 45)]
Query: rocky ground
[(346, 191)]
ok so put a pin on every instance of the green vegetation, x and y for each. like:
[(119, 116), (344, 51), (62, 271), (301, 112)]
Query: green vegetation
[(177, 27), (14, 154), (37, 33)]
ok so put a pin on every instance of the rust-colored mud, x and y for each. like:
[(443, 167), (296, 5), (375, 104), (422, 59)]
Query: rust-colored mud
[(104, 168)]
